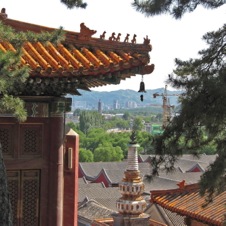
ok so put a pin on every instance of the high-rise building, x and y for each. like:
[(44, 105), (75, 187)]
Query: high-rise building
[(116, 105), (100, 106), (131, 104)]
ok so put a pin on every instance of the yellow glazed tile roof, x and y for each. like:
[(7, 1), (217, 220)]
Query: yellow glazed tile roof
[(186, 201), (79, 62)]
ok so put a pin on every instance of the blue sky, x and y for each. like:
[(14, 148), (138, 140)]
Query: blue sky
[(170, 38)]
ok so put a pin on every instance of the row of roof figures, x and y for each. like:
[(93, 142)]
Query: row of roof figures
[(86, 33)]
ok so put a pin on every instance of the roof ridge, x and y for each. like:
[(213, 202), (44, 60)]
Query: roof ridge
[(187, 188), (83, 34)]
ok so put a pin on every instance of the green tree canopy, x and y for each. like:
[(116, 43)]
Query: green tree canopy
[(95, 137), (108, 153), (138, 123), (89, 119), (202, 118), (85, 155), (126, 116)]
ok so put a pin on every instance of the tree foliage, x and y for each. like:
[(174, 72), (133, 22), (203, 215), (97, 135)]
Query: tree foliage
[(108, 153), (202, 118), (138, 124), (85, 155), (176, 8), (117, 122), (74, 3), (88, 120), (13, 74)]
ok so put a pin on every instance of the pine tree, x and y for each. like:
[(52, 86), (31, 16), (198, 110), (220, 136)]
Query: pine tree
[(13, 74), (202, 118)]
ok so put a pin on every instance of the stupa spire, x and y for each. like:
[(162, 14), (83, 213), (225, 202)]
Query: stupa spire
[(131, 204)]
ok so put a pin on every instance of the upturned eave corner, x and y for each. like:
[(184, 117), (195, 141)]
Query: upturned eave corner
[(80, 61)]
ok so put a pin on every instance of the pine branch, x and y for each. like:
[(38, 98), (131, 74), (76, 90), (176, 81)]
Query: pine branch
[(74, 4), (13, 105), (17, 39), (176, 8), (13, 73)]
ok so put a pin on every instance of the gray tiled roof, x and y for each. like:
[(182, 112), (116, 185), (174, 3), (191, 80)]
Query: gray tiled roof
[(82, 180), (189, 177), (201, 158), (93, 169), (159, 214), (105, 198), (159, 183), (103, 195), (114, 176), (91, 210), (175, 218), (91, 185), (187, 164)]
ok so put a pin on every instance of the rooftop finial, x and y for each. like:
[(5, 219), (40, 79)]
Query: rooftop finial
[(133, 137), (146, 40)]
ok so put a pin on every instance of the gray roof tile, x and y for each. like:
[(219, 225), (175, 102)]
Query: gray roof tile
[(91, 210)]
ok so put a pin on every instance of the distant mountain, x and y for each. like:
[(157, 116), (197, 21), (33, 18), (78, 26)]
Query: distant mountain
[(122, 99)]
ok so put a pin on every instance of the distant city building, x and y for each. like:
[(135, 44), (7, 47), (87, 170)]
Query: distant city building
[(131, 104), (100, 106), (116, 105), (78, 105), (70, 117), (148, 127), (110, 116)]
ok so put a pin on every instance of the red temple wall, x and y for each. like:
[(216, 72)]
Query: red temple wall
[(35, 155)]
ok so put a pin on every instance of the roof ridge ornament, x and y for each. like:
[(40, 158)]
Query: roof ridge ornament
[(85, 32), (127, 38), (118, 37), (112, 37), (3, 14), (103, 35), (181, 184), (134, 39), (146, 40)]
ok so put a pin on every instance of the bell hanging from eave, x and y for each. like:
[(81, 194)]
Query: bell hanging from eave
[(142, 86)]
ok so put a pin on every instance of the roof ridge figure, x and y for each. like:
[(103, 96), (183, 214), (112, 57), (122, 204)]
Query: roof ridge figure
[(85, 32), (3, 14)]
